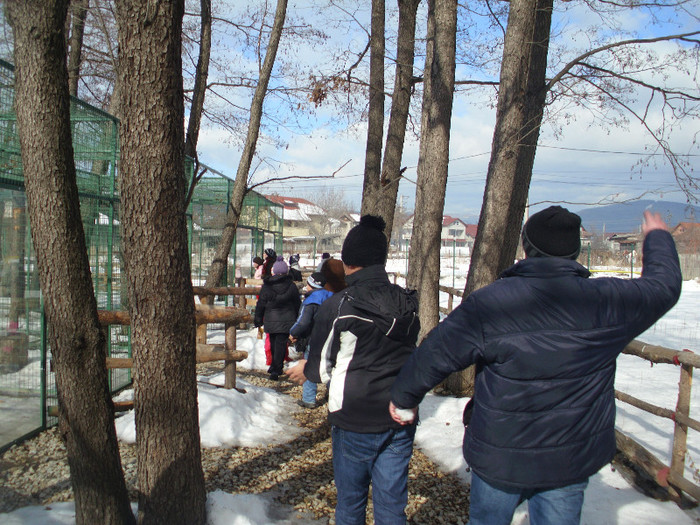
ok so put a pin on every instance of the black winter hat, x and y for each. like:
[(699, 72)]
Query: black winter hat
[(365, 244), (552, 232)]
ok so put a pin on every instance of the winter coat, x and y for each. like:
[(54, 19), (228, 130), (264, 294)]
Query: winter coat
[(295, 273), (361, 338), (305, 321), (278, 304), (544, 339)]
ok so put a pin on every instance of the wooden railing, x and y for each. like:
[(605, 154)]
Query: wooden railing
[(206, 353), (670, 477)]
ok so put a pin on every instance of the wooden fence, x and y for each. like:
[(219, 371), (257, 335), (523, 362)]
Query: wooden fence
[(231, 317), (670, 477)]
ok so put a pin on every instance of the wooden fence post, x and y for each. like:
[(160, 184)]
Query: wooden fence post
[(241, 300), (680, 433), (230, 366)]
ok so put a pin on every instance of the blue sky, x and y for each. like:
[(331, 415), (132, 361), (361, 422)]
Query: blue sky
[(579, 165)]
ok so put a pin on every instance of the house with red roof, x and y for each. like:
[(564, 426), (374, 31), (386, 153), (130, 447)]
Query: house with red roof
[(455, 233)]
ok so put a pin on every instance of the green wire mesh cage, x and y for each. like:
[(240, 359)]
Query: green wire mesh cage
[(27, 386)]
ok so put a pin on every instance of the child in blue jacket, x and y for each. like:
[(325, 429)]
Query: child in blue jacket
[(301, 330)]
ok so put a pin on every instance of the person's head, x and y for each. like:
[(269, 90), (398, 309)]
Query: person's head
[(270, 254), (552, 232), (365, 244), (257, 261), (280, 267), (315, 281), (325, 255), (294, 260)]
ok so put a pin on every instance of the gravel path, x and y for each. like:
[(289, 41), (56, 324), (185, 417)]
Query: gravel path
[(298, 474)]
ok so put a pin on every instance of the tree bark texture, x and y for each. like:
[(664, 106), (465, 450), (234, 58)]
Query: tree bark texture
[(424, 257), (521, 99), (383, 200), (156, 257), (240, 185), (375, 116), (200, 80), (519, 112), (77, 344)]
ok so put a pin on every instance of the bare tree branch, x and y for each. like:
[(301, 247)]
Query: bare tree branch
[(684, 37)]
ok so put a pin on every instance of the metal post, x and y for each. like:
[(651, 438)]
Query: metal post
[(406, 260), (589, 256), (632, 262), (454, 260), (44, 357)]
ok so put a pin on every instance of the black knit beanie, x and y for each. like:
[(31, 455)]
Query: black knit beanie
[(553, 232), (365, 244)]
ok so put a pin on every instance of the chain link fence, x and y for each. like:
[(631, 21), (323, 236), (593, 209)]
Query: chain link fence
[(27, 385)]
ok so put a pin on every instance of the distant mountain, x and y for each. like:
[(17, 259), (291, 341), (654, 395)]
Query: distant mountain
[(627, 217)]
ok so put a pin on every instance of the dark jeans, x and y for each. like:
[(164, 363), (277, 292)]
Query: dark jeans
[(278, 347), (491, 505), (381, 459)]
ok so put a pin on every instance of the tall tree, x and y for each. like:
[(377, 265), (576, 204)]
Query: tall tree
[(381, 197), (200, 80), (375, 116), (78, 11), (439, 78), (240, 185), (521, 99), (154, 233), (86, 420)]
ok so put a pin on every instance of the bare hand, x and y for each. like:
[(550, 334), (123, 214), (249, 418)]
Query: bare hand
[(403, 416), (652, 221), (296, 373)]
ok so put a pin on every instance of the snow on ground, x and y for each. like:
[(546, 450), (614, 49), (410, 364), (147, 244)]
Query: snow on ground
[(229, 418)]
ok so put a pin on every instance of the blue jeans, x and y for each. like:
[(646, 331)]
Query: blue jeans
[(309, 388), (381, 459), (495, 506)]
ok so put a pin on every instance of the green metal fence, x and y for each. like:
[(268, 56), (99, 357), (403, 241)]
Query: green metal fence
[(27, 386), (259, 227)]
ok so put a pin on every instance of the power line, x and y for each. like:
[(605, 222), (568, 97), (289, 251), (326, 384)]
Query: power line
[(613, 152)]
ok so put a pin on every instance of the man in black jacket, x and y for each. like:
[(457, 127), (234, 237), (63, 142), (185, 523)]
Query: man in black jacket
[(544, 338), (361, 338)]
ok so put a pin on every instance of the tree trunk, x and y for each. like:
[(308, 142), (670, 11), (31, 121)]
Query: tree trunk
[(78, 9), (384, 202), (156, 256), (521, 99), (218, 265), (200, 81), (375, 117), (86, 419), (424, 258), (17, 255)]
